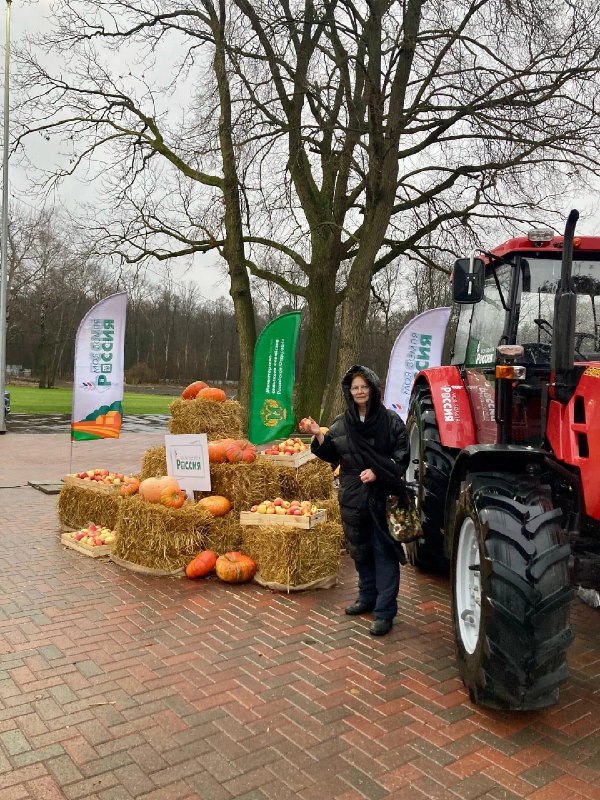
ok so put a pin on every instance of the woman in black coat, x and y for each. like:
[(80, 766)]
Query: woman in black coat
[(369, 443)]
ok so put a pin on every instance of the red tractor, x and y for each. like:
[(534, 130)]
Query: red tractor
[(505, 453)]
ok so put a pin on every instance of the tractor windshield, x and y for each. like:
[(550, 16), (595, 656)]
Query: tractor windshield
[(539, 281)]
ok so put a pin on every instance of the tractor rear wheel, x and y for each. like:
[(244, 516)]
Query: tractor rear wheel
[(510, 592), (430, 467)]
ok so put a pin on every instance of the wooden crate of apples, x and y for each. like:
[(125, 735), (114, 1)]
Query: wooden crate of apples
[(94, 540), (98, 480), (293, 513), (289, 453)]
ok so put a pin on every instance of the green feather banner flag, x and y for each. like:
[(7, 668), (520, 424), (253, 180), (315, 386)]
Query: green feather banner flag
[(271, 412)]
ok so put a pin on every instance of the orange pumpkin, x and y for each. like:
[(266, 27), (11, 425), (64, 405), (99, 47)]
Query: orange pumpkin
[(241, 450), (151, 489), (172, 498), (129, 486), (217, 450), (235, 568), (192, 390), (202, 565), (215, 504), (211, 393)]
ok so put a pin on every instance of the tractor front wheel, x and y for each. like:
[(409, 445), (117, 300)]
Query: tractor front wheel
[(430, 467), (510, 592)]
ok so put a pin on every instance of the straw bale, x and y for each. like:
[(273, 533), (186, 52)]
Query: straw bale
[(218, 420), (154, 536), (78, 506), (332, 507), (154, 462), (225, 534), (245, 484), (294, 556), (311, 481)]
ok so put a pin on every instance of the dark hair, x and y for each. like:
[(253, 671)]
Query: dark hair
[(360, 374)]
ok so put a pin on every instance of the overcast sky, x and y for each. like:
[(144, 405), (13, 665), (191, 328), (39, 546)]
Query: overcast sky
[(29, 16)]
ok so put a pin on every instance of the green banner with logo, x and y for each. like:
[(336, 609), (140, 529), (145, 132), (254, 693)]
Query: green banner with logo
[(271, 415)]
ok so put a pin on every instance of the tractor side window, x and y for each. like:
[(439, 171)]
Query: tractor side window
[(487, 324)]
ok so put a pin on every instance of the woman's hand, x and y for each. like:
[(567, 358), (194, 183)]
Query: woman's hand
[(367, 476), (308, 425)]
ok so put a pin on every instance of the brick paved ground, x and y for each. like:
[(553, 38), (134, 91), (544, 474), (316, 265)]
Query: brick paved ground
[(117, 686)]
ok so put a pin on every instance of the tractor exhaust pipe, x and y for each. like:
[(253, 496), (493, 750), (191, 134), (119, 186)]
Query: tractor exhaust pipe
[(565, 307)]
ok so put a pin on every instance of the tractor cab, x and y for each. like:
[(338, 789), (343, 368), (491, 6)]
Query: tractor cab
[(508, 299)]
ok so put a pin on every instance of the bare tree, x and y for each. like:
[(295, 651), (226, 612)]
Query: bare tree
[(349, 133)]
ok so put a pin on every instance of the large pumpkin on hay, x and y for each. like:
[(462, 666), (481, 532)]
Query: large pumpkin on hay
[(217, 450), (202, 565), (235, 568), (241, 450), (211, 393), (151, 489), (215, 504), (190, 392)]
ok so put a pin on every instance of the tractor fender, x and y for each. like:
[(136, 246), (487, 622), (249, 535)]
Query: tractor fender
[(451, 405), (502, 458)]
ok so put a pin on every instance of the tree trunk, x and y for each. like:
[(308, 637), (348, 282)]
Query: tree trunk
[(233, 249), (355, 307), (321, 321)]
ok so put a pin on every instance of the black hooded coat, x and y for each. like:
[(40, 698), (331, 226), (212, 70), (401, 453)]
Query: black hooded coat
[(379, 443)]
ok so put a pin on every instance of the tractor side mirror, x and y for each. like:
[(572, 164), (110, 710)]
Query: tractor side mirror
[(468, 279)]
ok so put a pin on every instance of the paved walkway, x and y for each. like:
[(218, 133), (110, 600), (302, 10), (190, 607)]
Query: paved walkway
[(117, 686)]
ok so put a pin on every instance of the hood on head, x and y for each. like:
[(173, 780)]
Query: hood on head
[(373, 381)]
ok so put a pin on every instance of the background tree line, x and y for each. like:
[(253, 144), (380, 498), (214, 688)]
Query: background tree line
[(173, 334)]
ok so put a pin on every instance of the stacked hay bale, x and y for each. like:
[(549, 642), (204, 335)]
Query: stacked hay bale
[(290, 558), (217, 419), (79, 505), (159, 538), (293, 558)]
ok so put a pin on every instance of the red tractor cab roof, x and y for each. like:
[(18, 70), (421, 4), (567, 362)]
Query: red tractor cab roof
[(553, 247)]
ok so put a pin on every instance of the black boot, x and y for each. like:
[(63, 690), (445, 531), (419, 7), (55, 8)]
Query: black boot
[(359, 607), (379, 627)]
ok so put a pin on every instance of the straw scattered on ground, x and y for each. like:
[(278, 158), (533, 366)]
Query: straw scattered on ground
[(157, 537), (218, 420), (294, 556)]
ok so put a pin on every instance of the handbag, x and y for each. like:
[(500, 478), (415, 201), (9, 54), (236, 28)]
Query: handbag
[(403, 519)]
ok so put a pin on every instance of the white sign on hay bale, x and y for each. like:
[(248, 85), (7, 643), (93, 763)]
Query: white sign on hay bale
[(187, 461)]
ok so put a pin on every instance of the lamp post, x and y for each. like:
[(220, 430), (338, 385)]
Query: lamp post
[(4, 234)]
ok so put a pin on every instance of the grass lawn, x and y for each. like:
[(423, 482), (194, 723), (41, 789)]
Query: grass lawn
[(31, 400)]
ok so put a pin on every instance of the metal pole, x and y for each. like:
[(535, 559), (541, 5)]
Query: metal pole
[(4, 234)]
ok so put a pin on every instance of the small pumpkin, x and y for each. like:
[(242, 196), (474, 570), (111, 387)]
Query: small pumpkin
[(129, 486), (172, 497), (151, 489), (211, 393), (215, 504), (241, 450), (203, 564), (217, 450), (190, 392), (235, 567)]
